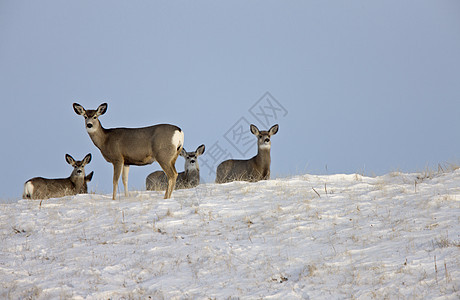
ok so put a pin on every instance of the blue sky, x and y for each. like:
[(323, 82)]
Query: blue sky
[(367, 86)]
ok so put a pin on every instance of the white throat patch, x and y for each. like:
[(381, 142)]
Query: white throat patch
[(191, 167)]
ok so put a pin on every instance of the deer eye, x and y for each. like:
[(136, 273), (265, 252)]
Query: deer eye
[(94, 117)]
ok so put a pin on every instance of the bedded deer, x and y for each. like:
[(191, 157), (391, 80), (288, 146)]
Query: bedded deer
[(157, 180), (254, 169), (124, 147), (44, 188)]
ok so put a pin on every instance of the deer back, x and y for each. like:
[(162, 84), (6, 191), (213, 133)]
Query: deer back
[(237, 170), (156, 181), (44, 188), (139, 146)]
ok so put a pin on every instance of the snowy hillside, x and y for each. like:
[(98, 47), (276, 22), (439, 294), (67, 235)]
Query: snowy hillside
[(318, 237)]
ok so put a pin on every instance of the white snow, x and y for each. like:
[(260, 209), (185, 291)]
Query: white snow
[(306, 237)]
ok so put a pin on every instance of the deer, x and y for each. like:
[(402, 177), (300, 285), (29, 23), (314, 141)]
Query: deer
[(123, 147), (44, 188), (190, 178), (254, 169)]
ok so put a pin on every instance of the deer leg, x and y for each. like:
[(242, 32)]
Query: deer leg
[(124, 178), (171, 174), (117, 167), (167, 163)]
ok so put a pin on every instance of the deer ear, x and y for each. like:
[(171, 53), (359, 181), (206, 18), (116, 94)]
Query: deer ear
[(254, 129), (89, 176), (199, 150), (87, 159), (101, 109), (274, 129), (79, 110), (69, 159), (183, 153)]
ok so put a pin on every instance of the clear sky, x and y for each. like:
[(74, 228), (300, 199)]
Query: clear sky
[(355, 86)]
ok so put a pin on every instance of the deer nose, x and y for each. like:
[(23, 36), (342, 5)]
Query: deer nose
[(89, 125), (78, 171), (267, 140), (192, 161)]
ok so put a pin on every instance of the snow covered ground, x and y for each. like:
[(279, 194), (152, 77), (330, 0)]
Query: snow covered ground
[(309, 237)]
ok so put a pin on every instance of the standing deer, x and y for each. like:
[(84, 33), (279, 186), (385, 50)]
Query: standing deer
[(134, 146), (157, 181), (254, 169), (43, 188)]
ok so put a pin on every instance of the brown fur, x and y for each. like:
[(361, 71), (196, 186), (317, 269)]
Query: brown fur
[(44, 188), (133, 146), (190, 178), (254, 169)]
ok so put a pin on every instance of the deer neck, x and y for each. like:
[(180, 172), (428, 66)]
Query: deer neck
[(192, 173), (262, 159), (98, 136), (78, 182)]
